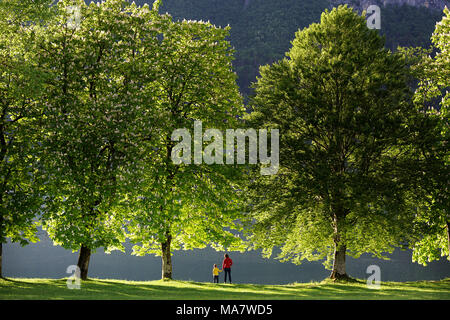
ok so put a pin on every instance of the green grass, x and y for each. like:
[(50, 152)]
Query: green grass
[(99, 289)]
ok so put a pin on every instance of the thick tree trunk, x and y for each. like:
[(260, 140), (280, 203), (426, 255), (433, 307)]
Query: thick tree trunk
[(1, 243), (339, 263), (83, 261), (448, 238), (340, 248), (1, 255), (166, 258)]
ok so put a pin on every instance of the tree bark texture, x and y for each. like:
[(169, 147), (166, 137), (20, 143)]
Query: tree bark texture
[(83, 261), (166, 258)]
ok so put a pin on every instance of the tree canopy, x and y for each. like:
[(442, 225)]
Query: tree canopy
[(20, 89), (186, 206), (343, 106), (433, 99), (97, 98)]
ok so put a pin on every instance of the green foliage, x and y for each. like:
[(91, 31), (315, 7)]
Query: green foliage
[(97, 96), (20, 88), (26, 11), (189, 205), (342, 104), (118, 84), (433, 98)]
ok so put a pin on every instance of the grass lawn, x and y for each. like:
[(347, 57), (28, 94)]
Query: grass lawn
[(100, 289)]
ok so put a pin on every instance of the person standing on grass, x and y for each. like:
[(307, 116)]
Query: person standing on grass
[(226, 266), (216, 274)]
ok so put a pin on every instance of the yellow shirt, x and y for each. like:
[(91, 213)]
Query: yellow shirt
[(216, 271)]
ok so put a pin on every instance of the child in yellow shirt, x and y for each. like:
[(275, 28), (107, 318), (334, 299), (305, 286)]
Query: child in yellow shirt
[(216, 273)]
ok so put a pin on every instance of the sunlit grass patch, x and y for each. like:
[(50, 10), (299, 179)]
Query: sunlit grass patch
[(109, 289)]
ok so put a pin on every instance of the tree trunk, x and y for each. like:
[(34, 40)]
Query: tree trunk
[(339, 263), (448, 238), (166, 258), (1, 255), (83, 261), (1, 242), (340, 248)]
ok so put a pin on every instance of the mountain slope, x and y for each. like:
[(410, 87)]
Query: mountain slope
[(363, 4), (262, 29)]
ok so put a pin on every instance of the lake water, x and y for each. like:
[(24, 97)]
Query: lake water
[(44, 260)]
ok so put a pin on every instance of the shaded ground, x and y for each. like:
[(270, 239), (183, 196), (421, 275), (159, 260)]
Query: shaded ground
[(99, 289)]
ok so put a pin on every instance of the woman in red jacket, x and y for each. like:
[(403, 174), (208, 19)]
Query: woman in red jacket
[(226, 266)]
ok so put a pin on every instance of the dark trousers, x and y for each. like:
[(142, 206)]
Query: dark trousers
[(216, 279), (227, 271)]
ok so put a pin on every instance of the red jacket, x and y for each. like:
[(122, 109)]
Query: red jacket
[(227, 263)]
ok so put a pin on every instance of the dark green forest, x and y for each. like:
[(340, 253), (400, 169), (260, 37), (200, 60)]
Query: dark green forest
[(262, 31)]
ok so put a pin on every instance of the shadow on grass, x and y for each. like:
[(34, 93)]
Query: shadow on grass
[(96, 289)]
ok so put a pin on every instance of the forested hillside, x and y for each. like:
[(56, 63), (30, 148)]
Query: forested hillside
[(363, 4), (262, 29)]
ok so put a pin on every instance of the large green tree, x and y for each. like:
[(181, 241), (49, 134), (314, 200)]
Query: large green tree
[(188, 205), (100, 60), (433, 99), (20, 87), (343, 107)]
